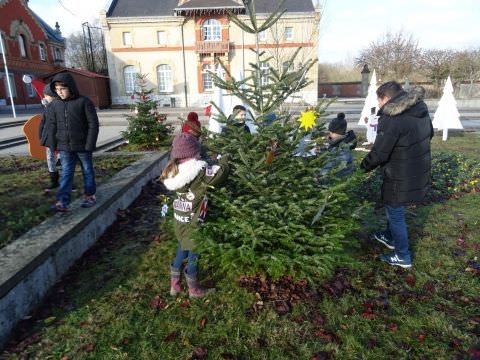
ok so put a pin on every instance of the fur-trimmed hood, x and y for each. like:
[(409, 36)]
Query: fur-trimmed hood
[(187, 172), (404, 101)]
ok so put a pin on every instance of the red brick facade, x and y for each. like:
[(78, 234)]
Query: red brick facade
[(17, 20)]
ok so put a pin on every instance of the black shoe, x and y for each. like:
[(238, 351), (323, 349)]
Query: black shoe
[(381, 237), (53, 181)]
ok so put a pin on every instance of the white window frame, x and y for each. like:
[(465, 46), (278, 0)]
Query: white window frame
[(162, 37), (57, 54), (22, 45), (30, 90), (127, 38), (130, 79), (43, 52), (211, 30), (264, 71), (288, 35), (207, 77), (12, 82), (164, 78)]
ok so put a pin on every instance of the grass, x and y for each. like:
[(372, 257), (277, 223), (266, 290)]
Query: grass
[(114, 303), (24, 202)]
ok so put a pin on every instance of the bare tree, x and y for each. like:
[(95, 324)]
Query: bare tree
[(86, 50), (436, 65), (393, 56), (466, 66)]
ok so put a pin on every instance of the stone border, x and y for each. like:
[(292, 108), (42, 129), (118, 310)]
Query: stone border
[(33, 263)]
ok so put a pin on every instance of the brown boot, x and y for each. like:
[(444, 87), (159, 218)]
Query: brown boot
[(175, 287), (195, 290)]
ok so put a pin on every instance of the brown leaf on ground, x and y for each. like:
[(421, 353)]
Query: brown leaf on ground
[(158, 303), (421, 337), (171, 336), (88, 347), (199, 352), (410, 280), (203, 322), (392, 326)]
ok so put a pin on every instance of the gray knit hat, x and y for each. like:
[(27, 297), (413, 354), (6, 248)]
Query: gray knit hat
[(185, 146)]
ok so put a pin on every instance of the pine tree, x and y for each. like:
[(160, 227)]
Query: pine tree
[(273, 216), (147, 129)]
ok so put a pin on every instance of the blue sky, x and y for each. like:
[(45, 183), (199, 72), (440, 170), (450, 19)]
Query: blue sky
[(347, 25)]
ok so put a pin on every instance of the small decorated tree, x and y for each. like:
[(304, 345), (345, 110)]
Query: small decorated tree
[(274, 216), (147, 129)]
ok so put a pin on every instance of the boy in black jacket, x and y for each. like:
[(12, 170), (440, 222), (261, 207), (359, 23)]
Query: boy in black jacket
[(75, 130)]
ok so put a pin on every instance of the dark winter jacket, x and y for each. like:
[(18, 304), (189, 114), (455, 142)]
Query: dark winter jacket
[(191, 184), (341, 148), (402, 148), (76, 123), (47, 139)]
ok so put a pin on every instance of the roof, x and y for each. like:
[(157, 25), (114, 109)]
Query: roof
[(51, 34), (128, 8), (76, 71)]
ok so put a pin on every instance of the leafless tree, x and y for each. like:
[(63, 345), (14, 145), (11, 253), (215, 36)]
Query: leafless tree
[(436, 65), (466, 66), (394, 56)]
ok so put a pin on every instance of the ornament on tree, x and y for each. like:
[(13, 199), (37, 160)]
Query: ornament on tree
[(272, 151), (307, 119)]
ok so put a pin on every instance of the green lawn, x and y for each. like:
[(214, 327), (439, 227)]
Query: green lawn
[(22, 183), (114, 303)]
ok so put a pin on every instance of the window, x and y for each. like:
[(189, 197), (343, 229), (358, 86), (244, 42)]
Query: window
[(43, 54), (12, 84), (164, 76), (288, 34), (127, 39), (57, 54), (22, 46), (264, 70), (262, 36), (211, 30), (30, 90), (130, 78), (161, 37), (207, 77)]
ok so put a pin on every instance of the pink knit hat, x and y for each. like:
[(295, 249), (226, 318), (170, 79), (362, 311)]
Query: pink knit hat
[(185, 146)]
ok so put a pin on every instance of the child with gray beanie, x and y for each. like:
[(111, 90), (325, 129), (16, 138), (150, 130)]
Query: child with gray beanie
[(189, 177)]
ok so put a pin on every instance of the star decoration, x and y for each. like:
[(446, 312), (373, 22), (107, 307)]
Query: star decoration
[(307, 120)]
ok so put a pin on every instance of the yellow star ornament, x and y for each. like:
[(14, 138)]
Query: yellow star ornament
[(307, 120)]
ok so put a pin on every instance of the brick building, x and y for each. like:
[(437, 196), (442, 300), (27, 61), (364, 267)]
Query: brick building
[(32, 47), (176, 43)]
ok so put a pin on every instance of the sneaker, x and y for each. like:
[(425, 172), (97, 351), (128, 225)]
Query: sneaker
[(395, 260), (60, 207), (381, 237), (88, 201)]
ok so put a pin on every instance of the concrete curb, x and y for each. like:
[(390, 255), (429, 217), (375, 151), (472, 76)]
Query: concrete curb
[(37, 260)]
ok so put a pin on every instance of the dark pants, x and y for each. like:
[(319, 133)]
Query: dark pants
[(69, 160), (397, 229), (192, 267)]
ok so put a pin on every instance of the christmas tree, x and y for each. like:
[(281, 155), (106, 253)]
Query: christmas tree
[(447, 115), (274, 216), (147, 129)]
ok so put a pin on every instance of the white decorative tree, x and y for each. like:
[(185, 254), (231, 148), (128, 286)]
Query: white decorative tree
[(447, 115), (370, 100)]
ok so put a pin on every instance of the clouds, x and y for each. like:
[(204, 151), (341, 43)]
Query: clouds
[(70, 14), (352, 25)]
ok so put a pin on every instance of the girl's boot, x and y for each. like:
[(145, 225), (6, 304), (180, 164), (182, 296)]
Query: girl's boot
[(53, 181), (175, 287), (195, 290)]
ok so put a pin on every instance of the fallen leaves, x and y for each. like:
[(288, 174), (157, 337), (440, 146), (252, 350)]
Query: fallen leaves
[(158, 303)]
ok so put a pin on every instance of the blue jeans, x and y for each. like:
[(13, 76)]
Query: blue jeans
[(69, 160), (397, 229), (192, 267)]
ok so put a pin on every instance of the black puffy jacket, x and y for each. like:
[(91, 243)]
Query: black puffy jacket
[(402, 148), (76, 123)]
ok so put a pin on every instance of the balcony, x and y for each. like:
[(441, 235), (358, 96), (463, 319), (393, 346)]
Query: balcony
[(212, 47)]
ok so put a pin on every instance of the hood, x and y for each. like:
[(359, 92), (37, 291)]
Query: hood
[(406, 100), (67, 79), (187, 172)]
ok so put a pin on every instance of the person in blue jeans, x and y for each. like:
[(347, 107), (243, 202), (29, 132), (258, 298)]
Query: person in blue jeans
[(75, 130), (402, 150)]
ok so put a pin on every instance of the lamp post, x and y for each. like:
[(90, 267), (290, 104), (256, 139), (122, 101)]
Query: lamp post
[(9, 85)]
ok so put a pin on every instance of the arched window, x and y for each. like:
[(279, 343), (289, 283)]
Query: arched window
[(130, 78), (164, 77), (43, 53), (211, 30), (22, 45)]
